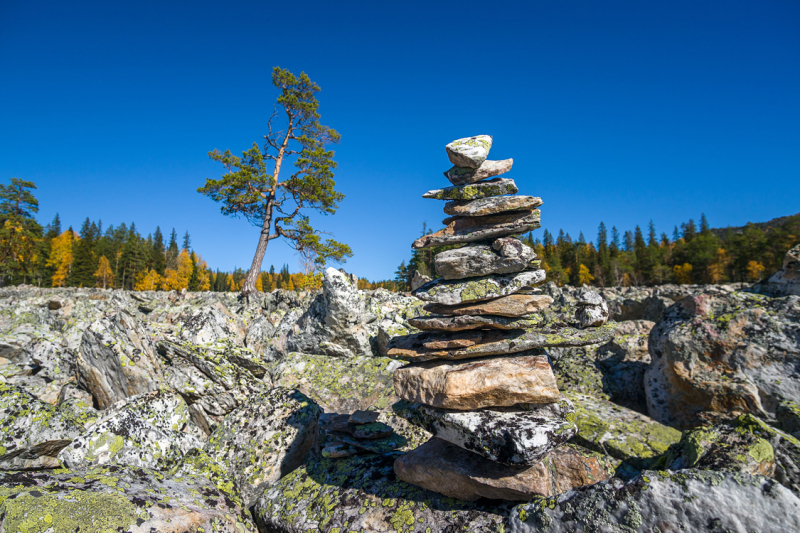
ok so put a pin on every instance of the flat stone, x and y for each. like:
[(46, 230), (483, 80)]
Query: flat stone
[(469, 151), (446, 343), (507, 435), (488, 169), (459, 230), (498, 342), (363, 417), (491, 206), (473, 191), (467, 322), (478, 383), (514, 305), (445, 468), (505, 256), (474, 290)]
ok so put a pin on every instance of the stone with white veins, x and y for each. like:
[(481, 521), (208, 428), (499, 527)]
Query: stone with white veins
[(478, 383), (513, 305), (491, 206), (477, 289), (497, 342), (461, 230), (467, 322), (505, 256), (483, 189), (488, 169), (469, 151), (507, 435)]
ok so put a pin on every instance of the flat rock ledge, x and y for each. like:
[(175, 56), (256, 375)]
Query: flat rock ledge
[(488, 169), (478, 383), (460, 230), (477, 289), (473, 191), (443, 467), (481, 343), (491, 206), (519, 435)]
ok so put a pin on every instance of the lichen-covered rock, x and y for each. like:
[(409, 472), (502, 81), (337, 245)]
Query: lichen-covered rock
[(491, 206), (504, 256), (265, 439), (467, 322), (459, 230), (362, 493), (32, 432), (208, 325), (715, 357), (117, 360), (788, 414), (613, 370), (785, 447), (469, 152), (488, 169), (690, 500), (474, 290), (212, 383), (116, 498), (442, 467), (143, 431), (478, 383), (592, 309), (197, 463), (421, 347), (341, 385), (508, 435), (787, 279), (514, 305), (474, 191), (722, 448), (619, 432)]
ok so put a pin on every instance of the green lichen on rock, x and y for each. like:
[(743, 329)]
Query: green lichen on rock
[(619, 432), (362, 494)]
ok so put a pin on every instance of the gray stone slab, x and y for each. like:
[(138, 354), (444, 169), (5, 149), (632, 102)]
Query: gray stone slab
[(483, 189), (488, 169), (453, 292), (469, 151)]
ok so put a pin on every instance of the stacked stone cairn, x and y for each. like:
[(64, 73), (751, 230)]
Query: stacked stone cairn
[(479, 379)]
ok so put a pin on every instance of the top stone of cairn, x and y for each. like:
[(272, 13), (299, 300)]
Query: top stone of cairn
[(470, 151)]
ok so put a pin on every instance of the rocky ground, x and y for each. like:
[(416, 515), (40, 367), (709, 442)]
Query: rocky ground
[(199, 412)]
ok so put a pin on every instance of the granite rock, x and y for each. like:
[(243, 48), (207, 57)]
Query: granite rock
[(474, 290), (461, 230), (470, 151), (467, 322), (507, 435), (504, 256), (474, 191), (491, 206), (487, 169), (513, 305), (478, 383)]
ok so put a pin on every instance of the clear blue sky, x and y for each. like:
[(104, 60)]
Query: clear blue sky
[(614, 111)]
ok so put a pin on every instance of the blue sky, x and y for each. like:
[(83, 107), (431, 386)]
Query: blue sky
[(620, 111)]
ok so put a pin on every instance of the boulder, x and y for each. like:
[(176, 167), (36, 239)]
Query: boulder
[(442, 467), (487, 169), (466, 322), (362, 493), (491, 206), (715, 357), (513, 305), (419, 280), (117, 360), (478, 289), (32, 432), (592, 309), (508, 435), (469, 152), (143, 431), (504, 256), (460, 230), (493, 342), (478, 383), (786, 280), (264, 440), (619, 432), (116, 498), (208, 325), (474, 191), (689, 500)]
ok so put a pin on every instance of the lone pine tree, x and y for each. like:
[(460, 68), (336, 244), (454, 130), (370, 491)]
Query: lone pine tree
[(252, 190)]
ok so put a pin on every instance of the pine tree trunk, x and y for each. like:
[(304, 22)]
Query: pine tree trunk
[(249, 286)]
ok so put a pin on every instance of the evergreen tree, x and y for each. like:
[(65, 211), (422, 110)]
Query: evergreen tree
[(84, 263), (19, 231), (187, 242), (172, 251), (158, 253), (194, 283), (705, 229), (614, 246)]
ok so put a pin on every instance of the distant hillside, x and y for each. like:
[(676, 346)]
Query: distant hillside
[(780, 222)]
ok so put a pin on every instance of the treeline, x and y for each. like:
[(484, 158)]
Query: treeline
[(693, 254)]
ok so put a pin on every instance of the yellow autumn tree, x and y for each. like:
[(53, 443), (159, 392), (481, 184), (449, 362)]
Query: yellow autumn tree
[(231, 283), (683, 273), (104, 274), (754, 270), (176, 280), (584, 276), (260, 283), (61, 256), (312, 282), (171, 282), (148, 281)]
